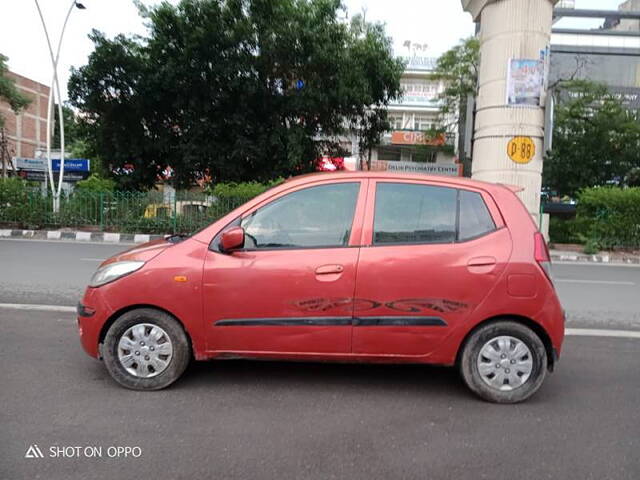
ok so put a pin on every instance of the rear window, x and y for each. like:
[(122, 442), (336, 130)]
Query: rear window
[(408, 213), (475, 219)]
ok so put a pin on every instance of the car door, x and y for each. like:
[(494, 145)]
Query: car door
[(431, 253), (290, 289)]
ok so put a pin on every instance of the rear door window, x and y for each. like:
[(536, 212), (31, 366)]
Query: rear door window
[(407, 213)]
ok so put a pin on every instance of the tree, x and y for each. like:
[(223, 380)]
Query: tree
[(9, 92), (71, 128), (596, 140), (458, 69), (235, 89)]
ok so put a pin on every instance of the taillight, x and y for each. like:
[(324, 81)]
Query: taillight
[(541, 254)]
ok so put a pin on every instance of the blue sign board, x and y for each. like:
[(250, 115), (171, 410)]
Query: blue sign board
[(71, 164)]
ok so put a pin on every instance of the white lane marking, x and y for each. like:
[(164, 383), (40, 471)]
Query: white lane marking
[(603, 282), (92, 259), (43, 308), (595, 332)]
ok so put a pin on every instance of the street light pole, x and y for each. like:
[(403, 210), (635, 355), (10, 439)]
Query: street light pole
[(56, 85)]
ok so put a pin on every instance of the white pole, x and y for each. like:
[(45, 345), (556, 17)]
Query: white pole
[(55, 83), (50, 102)]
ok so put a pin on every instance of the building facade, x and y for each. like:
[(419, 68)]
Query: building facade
[(414, 117), (26, 132), (609, 55)]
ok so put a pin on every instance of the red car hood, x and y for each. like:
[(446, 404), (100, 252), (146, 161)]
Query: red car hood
[(143, 252)]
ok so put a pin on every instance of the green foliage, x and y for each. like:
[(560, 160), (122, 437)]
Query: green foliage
[(245, 190), (8, 91), (17, 201), (633, 177), (458, 69), (613, 215), (213, 90), (95, 183), (595, 139), (71, 128), (25, 206), (591, 247), (566, 231)]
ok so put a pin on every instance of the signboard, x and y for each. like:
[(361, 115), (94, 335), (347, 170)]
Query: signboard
[(421, 92), (448, 169), (40, 164), (39, 175), (525, 82), (418, 62), (521, 149), (402, 137)]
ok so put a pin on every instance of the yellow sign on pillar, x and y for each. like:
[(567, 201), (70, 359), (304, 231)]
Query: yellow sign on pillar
[(521, 149)]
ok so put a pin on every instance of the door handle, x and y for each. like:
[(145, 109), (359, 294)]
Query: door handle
[(328, 269), (481, 262)]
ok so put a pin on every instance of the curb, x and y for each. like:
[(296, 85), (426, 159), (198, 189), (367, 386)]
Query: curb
[(598, 258), (101, 237)]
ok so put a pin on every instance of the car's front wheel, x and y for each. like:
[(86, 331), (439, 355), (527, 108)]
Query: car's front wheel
[(146, 349), (504, 362)]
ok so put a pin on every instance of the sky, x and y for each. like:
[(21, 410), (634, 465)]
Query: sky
[(437, 23)]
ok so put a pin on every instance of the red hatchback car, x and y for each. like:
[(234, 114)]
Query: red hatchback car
[(362, 266)]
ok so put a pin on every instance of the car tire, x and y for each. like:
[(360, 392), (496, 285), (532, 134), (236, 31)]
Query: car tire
[(146, 349), (504, 362)]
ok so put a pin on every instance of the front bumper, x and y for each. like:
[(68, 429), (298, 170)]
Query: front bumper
[(93, 313)]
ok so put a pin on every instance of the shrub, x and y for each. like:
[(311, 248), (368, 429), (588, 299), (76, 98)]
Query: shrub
[(95, 183), (613, 216), (245, 190), (566, 231), (21, 204)]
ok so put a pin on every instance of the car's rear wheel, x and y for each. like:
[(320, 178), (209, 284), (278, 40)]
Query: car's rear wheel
[(146, 349), (504, 362)]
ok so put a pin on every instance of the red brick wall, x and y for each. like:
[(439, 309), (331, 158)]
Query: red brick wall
[(22, 129)]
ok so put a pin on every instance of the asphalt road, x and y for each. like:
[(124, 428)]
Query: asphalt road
[(255, 420)]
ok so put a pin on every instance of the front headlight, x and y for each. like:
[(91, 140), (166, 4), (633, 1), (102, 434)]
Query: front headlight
[(113, 271)]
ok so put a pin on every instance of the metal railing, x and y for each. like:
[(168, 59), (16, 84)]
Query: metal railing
[(127, 212)]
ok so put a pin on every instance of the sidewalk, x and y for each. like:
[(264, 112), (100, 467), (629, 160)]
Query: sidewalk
[(557, 255)]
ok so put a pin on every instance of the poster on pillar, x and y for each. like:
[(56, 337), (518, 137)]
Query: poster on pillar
[(525, 82)]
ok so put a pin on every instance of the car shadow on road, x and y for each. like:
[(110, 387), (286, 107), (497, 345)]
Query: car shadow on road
[(323, 375)]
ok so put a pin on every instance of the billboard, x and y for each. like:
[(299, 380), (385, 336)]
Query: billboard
[(40, 164), (525, 82)]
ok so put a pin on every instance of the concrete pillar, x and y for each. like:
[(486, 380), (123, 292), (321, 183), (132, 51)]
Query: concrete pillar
[(517, 29)]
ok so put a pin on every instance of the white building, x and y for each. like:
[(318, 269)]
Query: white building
[(414, 116)]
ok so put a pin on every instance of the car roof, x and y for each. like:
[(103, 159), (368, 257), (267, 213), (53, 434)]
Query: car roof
[(385, 175)]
